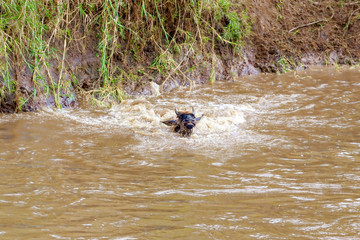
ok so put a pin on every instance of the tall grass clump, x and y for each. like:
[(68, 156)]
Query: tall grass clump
[(136, 40), (26, 31)]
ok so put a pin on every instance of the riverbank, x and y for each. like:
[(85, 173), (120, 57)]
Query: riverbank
[(104, 51)]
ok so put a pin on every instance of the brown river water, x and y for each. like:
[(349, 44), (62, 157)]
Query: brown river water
[(274, 157)]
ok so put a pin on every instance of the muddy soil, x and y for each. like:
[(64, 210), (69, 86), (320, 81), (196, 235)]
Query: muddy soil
[(286, 35), (308, 32)]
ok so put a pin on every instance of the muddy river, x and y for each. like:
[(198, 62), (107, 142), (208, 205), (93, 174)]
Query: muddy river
[(274, 157)]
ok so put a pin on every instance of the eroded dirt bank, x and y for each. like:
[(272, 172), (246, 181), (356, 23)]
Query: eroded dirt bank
[(272, 36)]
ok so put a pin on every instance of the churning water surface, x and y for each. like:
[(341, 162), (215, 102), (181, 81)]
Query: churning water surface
[(274, 157)]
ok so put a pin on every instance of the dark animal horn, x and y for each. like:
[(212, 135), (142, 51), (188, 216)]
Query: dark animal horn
[(193, 110), (176, 111)]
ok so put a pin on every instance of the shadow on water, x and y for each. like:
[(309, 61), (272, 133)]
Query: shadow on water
[(274, 157)]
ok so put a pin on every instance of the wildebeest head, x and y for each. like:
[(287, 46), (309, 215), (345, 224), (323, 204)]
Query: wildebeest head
[(185, 122)]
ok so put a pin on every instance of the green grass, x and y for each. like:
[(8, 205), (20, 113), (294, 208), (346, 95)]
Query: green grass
[(38, 34)]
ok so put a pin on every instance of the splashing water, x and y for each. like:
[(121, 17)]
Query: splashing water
[(273, 156)]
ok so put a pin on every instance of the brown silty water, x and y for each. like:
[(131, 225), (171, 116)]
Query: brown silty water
[(274, 157)]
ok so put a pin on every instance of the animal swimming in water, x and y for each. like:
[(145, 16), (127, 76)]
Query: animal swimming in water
[(185, 122)]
